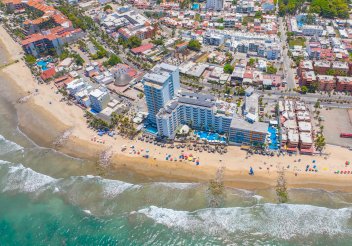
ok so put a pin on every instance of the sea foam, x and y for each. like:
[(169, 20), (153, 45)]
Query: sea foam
[(7, 146), (280, 221), (22, 179), (177, 186)]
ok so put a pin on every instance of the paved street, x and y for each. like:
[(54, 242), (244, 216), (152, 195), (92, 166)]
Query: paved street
[(288, 71)]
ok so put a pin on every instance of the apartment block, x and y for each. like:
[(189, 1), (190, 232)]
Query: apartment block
[(160, 86)]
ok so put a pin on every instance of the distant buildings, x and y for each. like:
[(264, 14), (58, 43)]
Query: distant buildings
[(325, 75), (215, 4), (261, 45), (245, 7), (213, 39), (127, 23), (50, 41), (40, 39)]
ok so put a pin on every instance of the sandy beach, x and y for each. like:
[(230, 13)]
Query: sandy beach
[(43, 118)]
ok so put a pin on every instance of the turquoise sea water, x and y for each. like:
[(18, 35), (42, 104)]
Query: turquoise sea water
[(47, 198)]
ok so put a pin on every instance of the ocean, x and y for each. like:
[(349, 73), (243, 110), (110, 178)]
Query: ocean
[(48, 198)]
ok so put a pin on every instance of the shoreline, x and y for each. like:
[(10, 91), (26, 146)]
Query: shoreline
[(43, 118)]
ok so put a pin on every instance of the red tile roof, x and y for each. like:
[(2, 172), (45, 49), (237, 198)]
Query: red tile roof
[(47, 74), (142, 48)]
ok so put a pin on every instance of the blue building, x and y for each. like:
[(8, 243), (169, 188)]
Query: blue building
[(160, 86)]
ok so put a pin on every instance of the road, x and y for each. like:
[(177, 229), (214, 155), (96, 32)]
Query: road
[(311, 96), (288, 71)]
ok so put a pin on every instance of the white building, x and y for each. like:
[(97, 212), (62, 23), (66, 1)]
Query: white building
[(215, 4), (99, 99), (312, 30)]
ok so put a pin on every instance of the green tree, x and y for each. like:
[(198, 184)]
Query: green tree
[(112, 61), (78, 59), (197, 17), (271, 69), (320, 142), (258, 15), (330, 8), (304, 89), (134, 42), (317, 105), (228, 68), (159, 41), (240, 90), (220, 20), (330, 72), (30, 59), (194, 45), (107, 7), (251, 62)]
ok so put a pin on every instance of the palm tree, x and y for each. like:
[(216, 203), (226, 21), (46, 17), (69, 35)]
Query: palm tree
[(320, 142)]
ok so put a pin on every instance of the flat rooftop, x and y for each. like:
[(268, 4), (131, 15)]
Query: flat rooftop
[(240, 123)]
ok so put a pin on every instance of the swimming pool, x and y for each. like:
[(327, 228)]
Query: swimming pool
[(273, 138), (300, 24), (44, 64), (210, 136), (151, 130), (195, 6)]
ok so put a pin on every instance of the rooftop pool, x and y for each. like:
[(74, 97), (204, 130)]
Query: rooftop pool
[(210, 136)]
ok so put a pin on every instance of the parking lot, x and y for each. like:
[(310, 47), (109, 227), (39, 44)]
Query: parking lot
[(335, 122)]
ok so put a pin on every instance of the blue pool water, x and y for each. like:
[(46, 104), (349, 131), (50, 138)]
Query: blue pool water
[(195, 6), (274, 141), (300, 24), (151, 130), (44, 64), (93, 111), (209, 136)]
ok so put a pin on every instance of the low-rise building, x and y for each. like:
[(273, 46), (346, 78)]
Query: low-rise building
[(244, 133), (213, 39), (308, 78), (344, 84), (326, 82), (312, 30), (322, 66)]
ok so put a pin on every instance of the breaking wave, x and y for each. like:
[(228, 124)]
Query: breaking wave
[(7, 146), (284, 221), (16, 177)]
